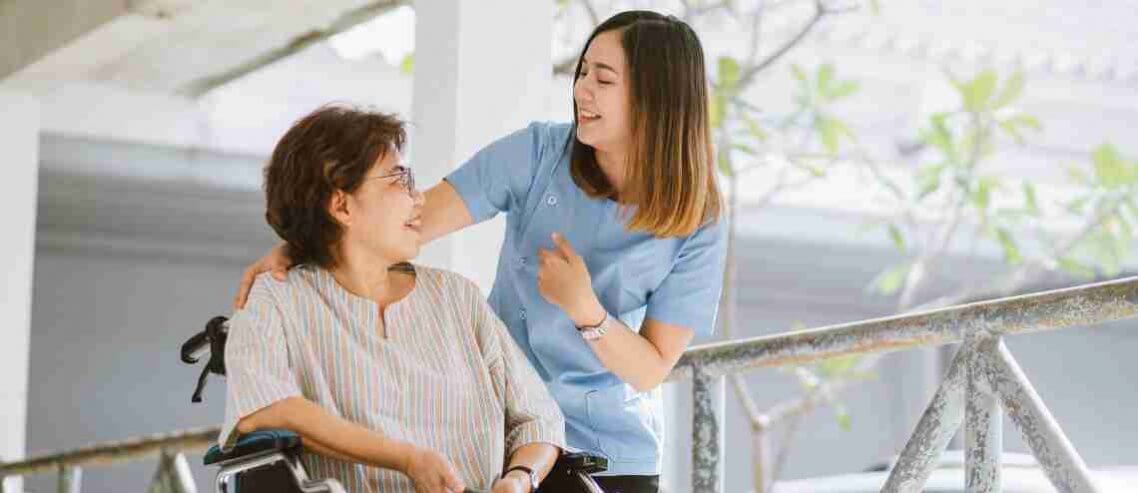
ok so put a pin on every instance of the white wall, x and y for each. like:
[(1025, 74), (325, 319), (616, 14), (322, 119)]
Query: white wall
[(19, 128)]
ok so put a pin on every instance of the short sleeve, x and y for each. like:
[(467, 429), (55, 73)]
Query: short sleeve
[(689, 295), (256, 361), (498, 177), (532, 415)]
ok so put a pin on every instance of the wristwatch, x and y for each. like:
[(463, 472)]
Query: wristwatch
[(594, 332), (533, 482)]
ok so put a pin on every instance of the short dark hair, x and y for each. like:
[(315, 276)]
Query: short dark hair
[(330, 149)]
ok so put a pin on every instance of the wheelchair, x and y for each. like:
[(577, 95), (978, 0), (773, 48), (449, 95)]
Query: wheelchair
[(269, 460)]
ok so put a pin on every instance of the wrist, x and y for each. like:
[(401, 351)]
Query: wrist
[(589, 315), (518, 476), (407, 452)]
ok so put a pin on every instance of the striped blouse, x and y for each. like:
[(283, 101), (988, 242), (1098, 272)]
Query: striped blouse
[(446, 375)]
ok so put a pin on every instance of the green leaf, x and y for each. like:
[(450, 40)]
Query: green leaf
[(890, 280), (928, 180), (838, 365), (842, 90), (1076, 206), (755, 129), (1104, 248), (1110, 170), (1013, 132), (800, 75), (716, 108), (815, 171), (941, 137), (825, 78), (746, 149), (407, 66), (724, 164), (1078, 175), (728, 73), (830, 130), (845, 422), (1076, 269), (1011, 251), (898, 240), (1025, 120), (1030, 203), (977, 92), (1012, 90), (982, 196)]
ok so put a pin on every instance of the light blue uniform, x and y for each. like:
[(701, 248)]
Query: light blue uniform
[(635, 275)]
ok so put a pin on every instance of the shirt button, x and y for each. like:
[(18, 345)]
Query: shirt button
[(521, 261), (523, 313), (551, 200)]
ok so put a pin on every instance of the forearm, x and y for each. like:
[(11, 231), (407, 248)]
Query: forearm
[(444, 212), (631, 357), (330, 435), (537, 456)]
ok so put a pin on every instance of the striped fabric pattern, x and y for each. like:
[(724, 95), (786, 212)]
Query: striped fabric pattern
[(446, 374)]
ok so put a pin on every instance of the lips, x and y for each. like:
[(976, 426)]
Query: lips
[(586, 116)]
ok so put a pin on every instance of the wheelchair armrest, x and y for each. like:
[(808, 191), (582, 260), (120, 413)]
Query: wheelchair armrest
[(584, 462), (253, 444)]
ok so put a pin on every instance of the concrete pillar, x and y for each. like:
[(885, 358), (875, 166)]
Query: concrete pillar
[(19, 132), (482, 70)]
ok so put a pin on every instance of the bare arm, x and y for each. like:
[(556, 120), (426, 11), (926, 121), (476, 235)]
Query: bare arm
[(341, 439), (537, 456), (643, 360), (444, 212)]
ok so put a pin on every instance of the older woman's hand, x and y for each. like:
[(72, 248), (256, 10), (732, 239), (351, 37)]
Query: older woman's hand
[(511, 483), (563, 279), (432, 473), (275, 261)]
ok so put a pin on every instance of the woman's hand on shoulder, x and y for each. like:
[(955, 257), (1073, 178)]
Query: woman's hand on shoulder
[(276, 261)]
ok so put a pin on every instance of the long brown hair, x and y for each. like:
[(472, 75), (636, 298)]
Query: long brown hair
[(671, 184)]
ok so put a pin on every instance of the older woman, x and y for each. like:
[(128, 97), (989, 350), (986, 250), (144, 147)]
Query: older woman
[(397, 377)]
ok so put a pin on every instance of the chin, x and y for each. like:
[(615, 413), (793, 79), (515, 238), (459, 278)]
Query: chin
[(409, 253)]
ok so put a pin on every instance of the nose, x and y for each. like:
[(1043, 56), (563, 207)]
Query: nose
[(583, 90), (418, 198)]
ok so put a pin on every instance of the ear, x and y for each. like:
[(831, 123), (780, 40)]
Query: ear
[(339, 207)]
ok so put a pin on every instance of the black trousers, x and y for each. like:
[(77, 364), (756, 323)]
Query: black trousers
[(560, 480), (629, 484)]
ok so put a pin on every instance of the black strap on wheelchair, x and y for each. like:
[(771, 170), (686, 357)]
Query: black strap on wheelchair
[(215, 334)]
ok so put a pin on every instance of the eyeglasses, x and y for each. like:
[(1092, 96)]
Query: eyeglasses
[(406, 178)]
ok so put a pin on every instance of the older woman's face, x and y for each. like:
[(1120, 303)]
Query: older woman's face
[(384, 212)]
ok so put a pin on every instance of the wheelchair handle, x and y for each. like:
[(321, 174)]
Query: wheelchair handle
[(193, 349), (199, 344)]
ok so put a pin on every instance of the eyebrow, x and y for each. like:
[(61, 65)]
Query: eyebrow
[(603, 66)]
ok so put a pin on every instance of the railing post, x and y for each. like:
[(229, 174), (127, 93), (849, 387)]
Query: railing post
[(69, 478), (937, 425), (1062, 464), (764, 465), (983, 428), (706, 444)]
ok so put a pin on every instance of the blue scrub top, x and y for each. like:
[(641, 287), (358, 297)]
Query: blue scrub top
[(635, 275)]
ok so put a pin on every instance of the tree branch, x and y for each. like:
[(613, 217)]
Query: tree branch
[(592, 12)]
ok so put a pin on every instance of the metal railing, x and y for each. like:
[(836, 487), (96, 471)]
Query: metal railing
[(982, 379)]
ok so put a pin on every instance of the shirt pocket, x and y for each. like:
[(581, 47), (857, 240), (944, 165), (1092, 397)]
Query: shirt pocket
[(623, 423)]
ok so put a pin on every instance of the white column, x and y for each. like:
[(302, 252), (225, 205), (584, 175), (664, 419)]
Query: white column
[(19, 133), (482, 70)]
